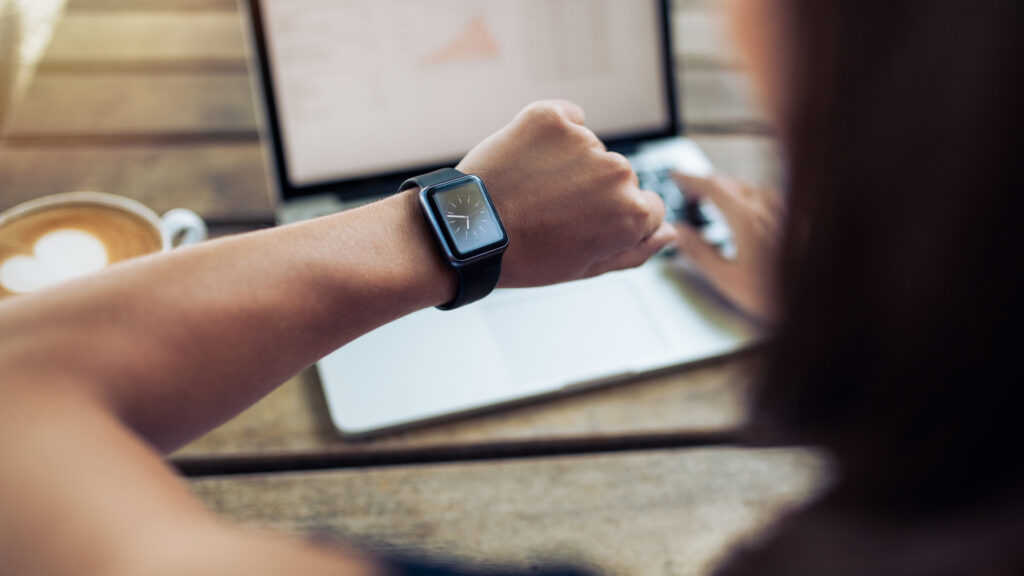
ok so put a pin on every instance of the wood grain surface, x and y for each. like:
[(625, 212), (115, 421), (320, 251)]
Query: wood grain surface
[(680, 407), (700, 38), (96, 104), (205, 6), (657, 513), (225, 183), (180, 38)]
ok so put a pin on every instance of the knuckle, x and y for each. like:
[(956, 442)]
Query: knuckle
[(545, 115), (587, 138), (619, 166), (635, 215)]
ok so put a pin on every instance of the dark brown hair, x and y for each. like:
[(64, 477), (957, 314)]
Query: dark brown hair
[(900, 348)]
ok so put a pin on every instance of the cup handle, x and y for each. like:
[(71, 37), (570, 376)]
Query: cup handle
[(183, 224)]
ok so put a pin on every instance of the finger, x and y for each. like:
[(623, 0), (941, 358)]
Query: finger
[(570, 110), (704, 255), (638, 254), (655, 211), (723, 191), (618, 165), (587, 135)]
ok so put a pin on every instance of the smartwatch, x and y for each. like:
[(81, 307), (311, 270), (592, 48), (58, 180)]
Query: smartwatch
[(468, 230)]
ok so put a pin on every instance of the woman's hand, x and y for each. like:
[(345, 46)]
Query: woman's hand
[(756, 217), (571, 208)]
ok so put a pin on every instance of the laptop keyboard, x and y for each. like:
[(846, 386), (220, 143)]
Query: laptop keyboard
[(700, 214)]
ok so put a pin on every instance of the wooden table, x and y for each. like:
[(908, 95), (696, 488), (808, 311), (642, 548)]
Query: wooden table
[(151, 99)]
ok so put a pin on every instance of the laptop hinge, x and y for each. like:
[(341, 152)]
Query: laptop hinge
[(625, 148)]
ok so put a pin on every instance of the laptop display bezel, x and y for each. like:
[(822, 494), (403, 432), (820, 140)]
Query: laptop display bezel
[(354, 188)]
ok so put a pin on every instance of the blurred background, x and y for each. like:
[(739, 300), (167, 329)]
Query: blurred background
[(26, 27), (151, 99)]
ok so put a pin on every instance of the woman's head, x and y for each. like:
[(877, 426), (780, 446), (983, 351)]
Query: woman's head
[(901, 302)]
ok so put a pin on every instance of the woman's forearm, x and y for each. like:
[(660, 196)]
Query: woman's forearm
[(162, 349), (176, 343)]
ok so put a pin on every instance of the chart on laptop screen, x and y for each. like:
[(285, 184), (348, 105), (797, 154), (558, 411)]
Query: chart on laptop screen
[(369, 86)]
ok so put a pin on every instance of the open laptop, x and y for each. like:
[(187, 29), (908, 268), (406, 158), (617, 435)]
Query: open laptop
[(357, 95)]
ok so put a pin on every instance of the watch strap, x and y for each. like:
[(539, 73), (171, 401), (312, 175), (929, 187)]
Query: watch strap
[(477, 279), (432, 178)]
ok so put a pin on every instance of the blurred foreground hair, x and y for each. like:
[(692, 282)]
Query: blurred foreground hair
[(902, 278), (903, 265)]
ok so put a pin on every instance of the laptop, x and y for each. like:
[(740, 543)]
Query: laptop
[(357, 95)]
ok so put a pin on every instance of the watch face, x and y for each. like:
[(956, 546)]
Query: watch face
[(467, 215)]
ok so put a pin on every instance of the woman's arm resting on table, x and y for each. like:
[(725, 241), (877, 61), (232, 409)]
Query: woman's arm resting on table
[(159, 350)]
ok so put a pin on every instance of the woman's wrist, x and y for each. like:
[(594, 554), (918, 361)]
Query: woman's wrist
[(424, 269)]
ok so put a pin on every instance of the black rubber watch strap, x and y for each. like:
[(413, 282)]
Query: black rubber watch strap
[(476, 280), (432, 178)]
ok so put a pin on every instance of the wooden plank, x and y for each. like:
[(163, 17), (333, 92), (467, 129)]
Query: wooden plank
[(720, 100), (293, 421), (151, 5), (700, 39), (91, 37), (756, 160), (68, 104), (678, 5), (659, 513), (110, 104), (222, 182), (10, 56)]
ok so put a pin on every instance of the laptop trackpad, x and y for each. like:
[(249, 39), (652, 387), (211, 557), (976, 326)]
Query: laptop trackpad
[(572, 333)]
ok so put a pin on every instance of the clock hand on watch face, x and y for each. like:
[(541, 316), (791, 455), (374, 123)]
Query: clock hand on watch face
[(450, 215)]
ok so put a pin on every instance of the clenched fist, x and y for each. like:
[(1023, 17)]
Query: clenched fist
[(571, 208)]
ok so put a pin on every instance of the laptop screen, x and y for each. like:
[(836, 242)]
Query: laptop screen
[(361, 88)]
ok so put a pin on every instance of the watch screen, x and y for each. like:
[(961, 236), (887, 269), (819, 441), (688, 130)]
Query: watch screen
[(468, 217)]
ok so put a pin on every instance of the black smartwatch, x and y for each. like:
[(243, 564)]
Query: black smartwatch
[(467, 227)]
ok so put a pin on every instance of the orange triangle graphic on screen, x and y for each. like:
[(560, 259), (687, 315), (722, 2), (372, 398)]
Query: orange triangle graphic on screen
[(474, 42)]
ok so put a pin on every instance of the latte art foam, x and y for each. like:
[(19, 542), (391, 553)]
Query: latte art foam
[(54, 244)]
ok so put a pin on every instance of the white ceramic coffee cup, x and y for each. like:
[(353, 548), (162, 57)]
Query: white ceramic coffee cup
[(178, 227)]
